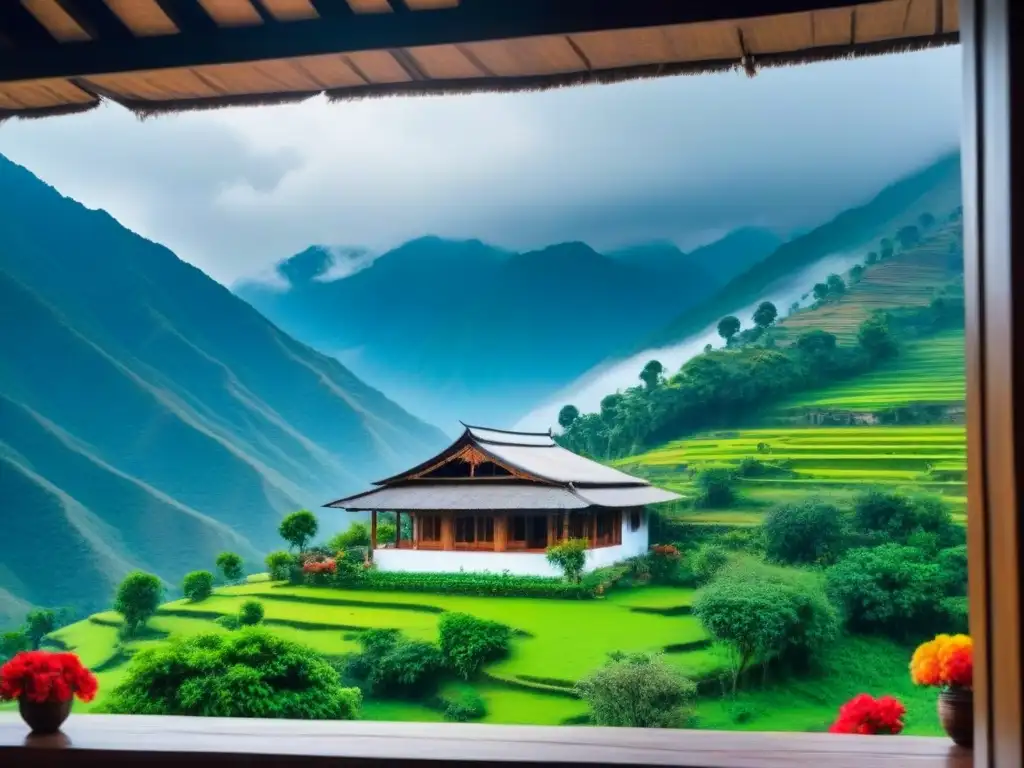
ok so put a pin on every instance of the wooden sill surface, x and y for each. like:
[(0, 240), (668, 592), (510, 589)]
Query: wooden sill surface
[(114, 739)]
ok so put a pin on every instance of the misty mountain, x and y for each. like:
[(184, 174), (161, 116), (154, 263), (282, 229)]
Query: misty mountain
[(148, 417), (463, 330)]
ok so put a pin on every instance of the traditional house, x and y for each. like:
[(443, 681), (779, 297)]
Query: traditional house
[(495, 500)]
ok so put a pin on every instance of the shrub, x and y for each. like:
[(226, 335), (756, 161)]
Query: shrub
[(357, 535), (892, 517), (707, 561), (477, 584), (228, 622), (38, 624), (299, 528), (464, 706), (890, 589), (664, 563), (137, 599), (13, 642), (468, 642), (280, 564), (251, 613), (197, 585), (249, 673), (386, 532), (809, 532), (953, 570), (715, 487), (230, 565), (570, 556), (392, 665), (637, 691)]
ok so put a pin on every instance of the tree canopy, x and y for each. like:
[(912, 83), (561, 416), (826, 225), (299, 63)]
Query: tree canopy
[(299, 528), (137, 599), (765, 314), (728, 327)]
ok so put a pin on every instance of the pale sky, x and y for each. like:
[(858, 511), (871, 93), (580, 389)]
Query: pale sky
[(687, 158)]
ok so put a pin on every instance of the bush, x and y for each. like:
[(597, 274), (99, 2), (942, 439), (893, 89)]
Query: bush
[(357, 535), (299, 528), (228, 622), (763, 613), (637, 691), (137, 599), (890, 589), (39, 622), (249, 673), (468, 642), (953, 570), (809, 532), (386, 532), (230, 565), (197, 585), (391, 665), (280, 565), (476, 584), (570, 557), (664, 564), (465, 706), (892, 517), (13, 642), (707, 561), (251, 613), (715, 487), (955, 610)]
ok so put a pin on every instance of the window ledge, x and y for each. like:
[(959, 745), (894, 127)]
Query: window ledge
[(127, 739)]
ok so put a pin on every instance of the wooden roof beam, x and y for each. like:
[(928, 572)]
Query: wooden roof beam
[(470, 21), (96, 18), (20, 29), (189, 16)]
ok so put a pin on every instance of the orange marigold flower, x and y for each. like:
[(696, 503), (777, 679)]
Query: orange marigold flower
[(948, 660)]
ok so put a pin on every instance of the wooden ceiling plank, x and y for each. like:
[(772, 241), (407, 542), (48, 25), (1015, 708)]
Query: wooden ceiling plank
[(96, 18), (332, 9), (56, 20), (232, 13), (289, 10), (145, 18), (471, 21), (189, 16)]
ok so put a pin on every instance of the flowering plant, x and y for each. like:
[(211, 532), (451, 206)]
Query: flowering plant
[(947, 662), (42, 676), (665, 550), (867, 715), (324, 566)]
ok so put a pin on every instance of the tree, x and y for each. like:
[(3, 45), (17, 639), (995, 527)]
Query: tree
[(926, 220), (38, 624), (872, 258), (728, 327), (280, 564), (13, 642), (637, 691), (467, 642), (610, 406), (820, 291), (251, 613), (651, 374), (810, 532), (570, 557), (909, 236), (874, 338), (230, 565), (707, 561), (890, 516), (567, 416), (197, 585), (392, 665), (138, 597), (299, 528), (836, 286), (707, 348), (249, 673), (765, 314), (891, 589), (856, 272), (715, 487), (357, 535)]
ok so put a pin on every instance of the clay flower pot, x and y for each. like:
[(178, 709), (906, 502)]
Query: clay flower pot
[(956, 713), (46, 716)]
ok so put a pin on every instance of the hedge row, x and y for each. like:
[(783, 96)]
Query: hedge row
[(476, 584)]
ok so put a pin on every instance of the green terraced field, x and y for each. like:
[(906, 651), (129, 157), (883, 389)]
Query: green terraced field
[(823, 461), (927, 371)]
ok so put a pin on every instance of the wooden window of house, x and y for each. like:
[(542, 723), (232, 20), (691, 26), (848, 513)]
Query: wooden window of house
[(465, 529), (634, 521), (485, 529), (430, 529), (578, 528), (517, 528)]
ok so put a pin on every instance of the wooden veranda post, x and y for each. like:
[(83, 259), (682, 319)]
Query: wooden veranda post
[(373, 532)]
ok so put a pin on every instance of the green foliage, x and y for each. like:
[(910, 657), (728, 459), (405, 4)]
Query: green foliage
[(567, 416), (393, 666), (956, 613), (926, 220), (762, 613), (38, 624), (138, 597), (299, 528), (874, 337), (13, 642), (230, 564), (650, 376), (765, 314), (357, 535), (856, 272), (570, 557), (820, 291), (811, 532), (953, 569), (468, 642), (229, 622), (872, 258), (716, 487), (707, 561), (197, 585), (475, 584), (464, 706), (665, 565), (836, 286), (893, 517), (386, 532), (280, 565), (249, 673), (728, 327), (890, 589), (909, 236), (638, 691), (250, 613)]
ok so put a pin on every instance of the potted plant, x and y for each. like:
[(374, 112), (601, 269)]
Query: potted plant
[(44, 685), (947, 662), (864, 714)]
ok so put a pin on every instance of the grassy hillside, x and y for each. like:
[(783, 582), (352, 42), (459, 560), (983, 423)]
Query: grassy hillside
[(557, 643), (148, 417)]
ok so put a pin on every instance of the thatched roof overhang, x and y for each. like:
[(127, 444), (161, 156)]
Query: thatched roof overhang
[(58, 56)]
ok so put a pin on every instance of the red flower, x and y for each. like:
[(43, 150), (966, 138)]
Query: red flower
[(867, 715), (44, 676), (324, 566)]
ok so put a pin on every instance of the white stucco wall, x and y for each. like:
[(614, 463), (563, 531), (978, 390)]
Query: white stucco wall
[(516, 563)]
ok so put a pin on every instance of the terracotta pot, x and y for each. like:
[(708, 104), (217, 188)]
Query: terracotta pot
[(44, 717), (956, 713)]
